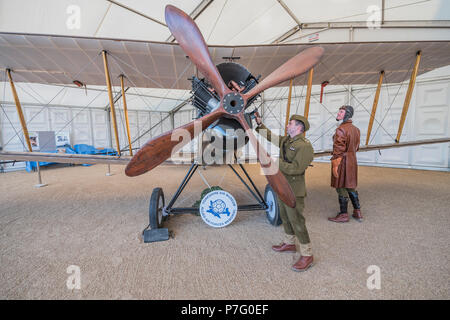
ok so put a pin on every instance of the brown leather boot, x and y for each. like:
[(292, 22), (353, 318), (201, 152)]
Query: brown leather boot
[(284, 247), (303, 264), (356, 206), (357, 215), (341, 217)]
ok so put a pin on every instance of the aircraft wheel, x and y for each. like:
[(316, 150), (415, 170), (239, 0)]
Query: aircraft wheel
[(156, 208), (272, 212)]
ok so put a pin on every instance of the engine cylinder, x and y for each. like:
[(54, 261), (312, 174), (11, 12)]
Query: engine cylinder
[(225, 134)]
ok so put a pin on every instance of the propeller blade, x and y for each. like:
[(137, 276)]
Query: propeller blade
[(189, 37), (274, 177), (160, 148), (292, 68)]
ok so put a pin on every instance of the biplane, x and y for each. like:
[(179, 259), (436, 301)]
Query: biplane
[(224, 93)]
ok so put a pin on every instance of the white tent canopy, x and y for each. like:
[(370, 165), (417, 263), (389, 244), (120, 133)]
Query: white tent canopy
[(232, 22), (222, 22)]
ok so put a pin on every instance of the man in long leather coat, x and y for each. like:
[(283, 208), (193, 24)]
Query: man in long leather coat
[(344, 165)]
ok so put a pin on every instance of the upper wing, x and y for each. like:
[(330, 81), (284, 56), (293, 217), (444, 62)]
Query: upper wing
[(59, 60)]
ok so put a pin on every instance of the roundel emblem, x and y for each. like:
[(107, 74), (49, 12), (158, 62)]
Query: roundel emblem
[(218, 209)]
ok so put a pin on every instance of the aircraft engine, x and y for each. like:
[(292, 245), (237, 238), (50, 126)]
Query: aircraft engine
[(225, 132)]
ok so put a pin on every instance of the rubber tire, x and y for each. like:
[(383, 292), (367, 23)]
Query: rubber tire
[(157, 194), (275, 218)]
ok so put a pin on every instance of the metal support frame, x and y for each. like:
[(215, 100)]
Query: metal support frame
[(24, 126), (260, 199), (290, 13), (261, 205), (374, 107), (137, 12), (183, 184), (111, 100), (408, 97)]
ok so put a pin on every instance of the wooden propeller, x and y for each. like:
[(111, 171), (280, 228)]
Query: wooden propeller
[(232, 104)]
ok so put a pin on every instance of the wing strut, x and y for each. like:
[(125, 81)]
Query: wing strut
[(409, 93), (374, 107), (111, 100), (125, 111), (288, 109), (24, 125)]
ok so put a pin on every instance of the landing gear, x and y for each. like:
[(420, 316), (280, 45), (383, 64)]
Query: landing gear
[(156, 218), (272, 211), (159, 212), (156, 208)]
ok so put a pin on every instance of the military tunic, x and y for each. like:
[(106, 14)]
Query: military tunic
[(295, 156)]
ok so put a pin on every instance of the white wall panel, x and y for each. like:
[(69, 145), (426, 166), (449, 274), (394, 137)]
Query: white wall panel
[(331, 102), (387, 133), (362, 101), (134, 129), (10, 125), (181, 118), (37, 118), (81, 127), (121, 129), (431, 121), (155, 124), (315, 119), (166, 124), (143, 118), (100, 129), (59, 119)]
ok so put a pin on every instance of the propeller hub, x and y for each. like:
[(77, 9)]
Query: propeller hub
[(233, 103)]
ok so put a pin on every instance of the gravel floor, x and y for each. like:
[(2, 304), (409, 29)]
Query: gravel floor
[(93, 221)]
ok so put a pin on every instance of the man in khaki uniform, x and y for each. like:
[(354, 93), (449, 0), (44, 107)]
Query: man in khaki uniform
[(296, 153)]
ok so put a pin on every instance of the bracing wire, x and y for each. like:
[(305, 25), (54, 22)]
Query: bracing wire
[(57, 94), (74, 117), (301, 94), (334, 124), (391, 103), (9, 120), (356, 99), (116, 59)]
